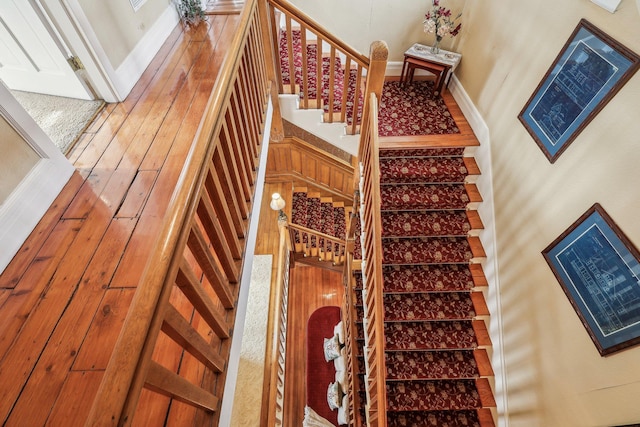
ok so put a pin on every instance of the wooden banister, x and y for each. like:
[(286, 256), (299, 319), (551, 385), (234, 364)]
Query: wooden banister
[(305, 20), (197, 252)]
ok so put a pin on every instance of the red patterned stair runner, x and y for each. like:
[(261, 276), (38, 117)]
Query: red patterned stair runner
[(436, 366), (312, 61)]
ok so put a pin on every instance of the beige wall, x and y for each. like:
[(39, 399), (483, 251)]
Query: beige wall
[(555, 375), (17, 159), (118, 27), (360, 22)]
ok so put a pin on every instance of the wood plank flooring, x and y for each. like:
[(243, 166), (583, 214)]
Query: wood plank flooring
[(65, 295), (310, 288)]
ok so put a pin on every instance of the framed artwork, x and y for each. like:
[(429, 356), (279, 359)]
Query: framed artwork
[(589, 70), (599, 271)]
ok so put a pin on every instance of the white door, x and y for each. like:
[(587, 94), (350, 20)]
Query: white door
[(30, 58)]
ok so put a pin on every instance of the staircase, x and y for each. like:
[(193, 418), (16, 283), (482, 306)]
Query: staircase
[(437, 366), (318, 229)]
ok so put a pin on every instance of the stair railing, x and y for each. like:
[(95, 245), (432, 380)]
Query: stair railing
[(312, 243), (277, 342), (348, 82), (198, 253), (349, 317), (372, 266)]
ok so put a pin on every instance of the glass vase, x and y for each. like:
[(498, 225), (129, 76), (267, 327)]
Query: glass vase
[(435, 49)]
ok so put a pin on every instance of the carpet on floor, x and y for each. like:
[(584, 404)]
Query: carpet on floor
[(248, 394), (62, 119), (413, 109)]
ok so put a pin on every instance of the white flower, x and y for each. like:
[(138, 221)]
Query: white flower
[(443, 30), (429, 26)]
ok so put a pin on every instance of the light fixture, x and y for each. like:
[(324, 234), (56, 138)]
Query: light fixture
[(277, 204)]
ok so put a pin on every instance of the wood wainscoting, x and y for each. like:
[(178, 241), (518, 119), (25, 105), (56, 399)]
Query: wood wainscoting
[(303, 164)]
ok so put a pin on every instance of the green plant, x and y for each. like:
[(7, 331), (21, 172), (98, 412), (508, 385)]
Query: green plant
[(190, 11)]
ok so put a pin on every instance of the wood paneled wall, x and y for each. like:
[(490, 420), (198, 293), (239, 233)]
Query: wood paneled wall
[(296, 161)]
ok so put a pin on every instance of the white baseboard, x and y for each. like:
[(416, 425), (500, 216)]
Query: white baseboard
[(128, 73), (394, 68), (26, 205), (488, 237)]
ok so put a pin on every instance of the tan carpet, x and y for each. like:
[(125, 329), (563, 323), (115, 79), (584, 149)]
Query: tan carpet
[(248, 395), (62, 119)]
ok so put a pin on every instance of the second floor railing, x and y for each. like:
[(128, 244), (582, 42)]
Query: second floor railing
[(186, 300)]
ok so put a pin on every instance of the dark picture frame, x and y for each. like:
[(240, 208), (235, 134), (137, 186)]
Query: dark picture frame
[(599, 270), (589, 70)]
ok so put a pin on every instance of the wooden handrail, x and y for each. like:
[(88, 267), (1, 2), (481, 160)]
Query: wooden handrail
[(316, 233), (207, 213)]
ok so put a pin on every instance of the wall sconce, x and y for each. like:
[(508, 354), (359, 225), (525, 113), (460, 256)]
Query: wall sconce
[(277, 204)]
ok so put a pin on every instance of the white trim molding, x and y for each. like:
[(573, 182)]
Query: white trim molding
[(608, 5), (128, 73)]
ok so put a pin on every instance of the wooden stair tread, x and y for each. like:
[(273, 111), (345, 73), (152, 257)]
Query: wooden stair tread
[(477, 273), (485, 416), (479, 304), (474, 219), (482, 334), (484, 363), (476, 247), (471, 165), (473, 193), (485, 392)]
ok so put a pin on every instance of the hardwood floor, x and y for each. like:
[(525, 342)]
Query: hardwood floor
[(310, 288), (65, 295)]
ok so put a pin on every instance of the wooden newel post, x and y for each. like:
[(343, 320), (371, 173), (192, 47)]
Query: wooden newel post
[(378, 56)]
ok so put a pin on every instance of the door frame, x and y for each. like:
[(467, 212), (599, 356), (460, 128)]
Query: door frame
[(31, 198), (76, 33)]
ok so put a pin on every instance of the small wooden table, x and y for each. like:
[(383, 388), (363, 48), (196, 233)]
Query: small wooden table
[(441, 65)]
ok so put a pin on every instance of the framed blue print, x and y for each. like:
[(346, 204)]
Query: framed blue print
[(599, 270), (589, 70)]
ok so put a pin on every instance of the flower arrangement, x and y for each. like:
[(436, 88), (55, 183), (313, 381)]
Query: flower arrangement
[(438, 20), (190, 11)]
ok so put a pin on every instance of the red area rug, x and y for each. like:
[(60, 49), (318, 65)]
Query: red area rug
[(413, 109)]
